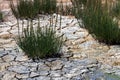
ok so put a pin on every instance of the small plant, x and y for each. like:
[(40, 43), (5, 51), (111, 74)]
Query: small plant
[(98, 22), (48, 6), (25, 9), (40, 42), (116, 10), (1, 17)]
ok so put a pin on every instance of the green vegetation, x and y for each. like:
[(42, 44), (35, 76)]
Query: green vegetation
[(116, 9), (112, 77), (40, 42), (1, 17), (29, 9), (37, 42), (97, 21), (48, 6), (25, 9)]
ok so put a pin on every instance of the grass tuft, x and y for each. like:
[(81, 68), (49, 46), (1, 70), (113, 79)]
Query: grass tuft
[(98, 21), (1, 16), (40, 42), (25, 9)]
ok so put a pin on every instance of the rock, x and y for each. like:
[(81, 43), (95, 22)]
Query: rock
[(19, 69), (81, 34), (87, 44), (71, 36), (5, 41), (56, 65), (70, 29), (1, 60), (2, 53), (8, 58), (60, 78), (55, 73), (92, 61), (43, 68), (5, 35), (79, 41), (43, 73), (33, 74), (8, 76), (3, 66), (42, 78), (67, 55), (20, 76), (22, 58), (70, 75), (77, 55)]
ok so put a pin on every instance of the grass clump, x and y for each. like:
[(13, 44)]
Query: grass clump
[(48, 6), (1, 17), (98, 22), (116, 9), (25, 9), (29, 9), (40, 42)]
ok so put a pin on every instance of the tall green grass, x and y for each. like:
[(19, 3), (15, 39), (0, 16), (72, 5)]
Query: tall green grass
[(28, 9), (40, 42), (25, 9), (116, 9), (1, 16), (98, 21), (48, 6)]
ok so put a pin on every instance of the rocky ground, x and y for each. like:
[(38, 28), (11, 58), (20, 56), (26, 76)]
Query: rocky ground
[(84, 58)]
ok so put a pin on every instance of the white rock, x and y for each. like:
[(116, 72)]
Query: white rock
[(42, 78), (33, 74), (55, 73), (22, 58)]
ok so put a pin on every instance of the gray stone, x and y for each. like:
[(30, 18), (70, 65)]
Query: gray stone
[(8, 76), (55, 73), (43, 73), (2, 53), (34, 74), (19, 76), (60, 78), (69, 75), (19, 69), (42, 78)]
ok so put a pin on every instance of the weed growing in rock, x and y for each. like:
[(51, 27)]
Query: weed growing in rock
[(98, 21), (40, 42)]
